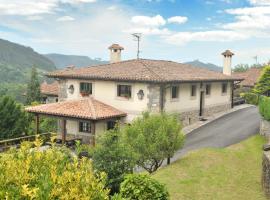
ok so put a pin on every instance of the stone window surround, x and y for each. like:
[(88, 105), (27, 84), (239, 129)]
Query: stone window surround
[(210, 90), (224, 93), (196, 90), (175, 99), (85, 132)]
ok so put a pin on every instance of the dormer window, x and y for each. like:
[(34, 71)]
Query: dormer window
[(124, 91), (85, 89)]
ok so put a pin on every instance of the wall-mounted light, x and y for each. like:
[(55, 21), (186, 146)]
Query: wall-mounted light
[(71, 89), (140, 94)]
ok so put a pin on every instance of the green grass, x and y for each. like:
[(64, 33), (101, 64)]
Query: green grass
[(230, 173)]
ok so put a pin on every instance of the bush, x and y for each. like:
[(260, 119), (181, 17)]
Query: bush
[(264, 107), (250, 98), (141, 187), (33, 173), (114, 158)]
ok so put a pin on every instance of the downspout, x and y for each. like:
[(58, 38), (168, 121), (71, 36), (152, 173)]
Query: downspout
[(162, 87), (232, 88)]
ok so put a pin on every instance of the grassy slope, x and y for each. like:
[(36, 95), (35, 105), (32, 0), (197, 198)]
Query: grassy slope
[(230, 173)]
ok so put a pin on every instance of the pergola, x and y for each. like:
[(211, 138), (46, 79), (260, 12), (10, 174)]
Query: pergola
[(87, 109)]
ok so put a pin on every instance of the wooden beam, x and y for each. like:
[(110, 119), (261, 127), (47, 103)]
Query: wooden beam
[(37, 124), (93, 131), (64, 130)]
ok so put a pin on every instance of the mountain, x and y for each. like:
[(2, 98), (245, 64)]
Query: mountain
[(210, 66), (61, 60), (17, 60)]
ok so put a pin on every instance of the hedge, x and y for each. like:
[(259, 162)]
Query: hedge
[(264, 107)]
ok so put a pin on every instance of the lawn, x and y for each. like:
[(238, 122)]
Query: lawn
[(230, 173)]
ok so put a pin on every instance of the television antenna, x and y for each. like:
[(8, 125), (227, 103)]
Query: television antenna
[(137, 38), (256, 59)]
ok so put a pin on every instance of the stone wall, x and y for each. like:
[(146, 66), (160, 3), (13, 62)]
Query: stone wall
[(265, 127), (153, 98), (266, 173), (62, 90)]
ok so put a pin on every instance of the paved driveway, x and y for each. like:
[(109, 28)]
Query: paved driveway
[(224, 131)]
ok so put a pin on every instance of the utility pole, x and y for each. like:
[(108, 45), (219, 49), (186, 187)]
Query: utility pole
[(137, 38)]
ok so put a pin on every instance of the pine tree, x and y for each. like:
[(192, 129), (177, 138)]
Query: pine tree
[(13, 120), (33, 88), (263, 85)]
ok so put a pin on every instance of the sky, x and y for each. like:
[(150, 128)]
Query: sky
[(177, 30)]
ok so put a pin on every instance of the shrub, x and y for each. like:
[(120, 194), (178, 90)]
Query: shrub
[(264, 107), (251, 98), (141, 187), (114, 158), (33, 173)]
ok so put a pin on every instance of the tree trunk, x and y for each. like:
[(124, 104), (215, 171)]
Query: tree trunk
[(169, 160)]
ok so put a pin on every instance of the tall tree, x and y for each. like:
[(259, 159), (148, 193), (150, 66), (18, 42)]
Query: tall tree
[(13, 120), (154, 137), (263, 85), (241, 68), (33, 88)]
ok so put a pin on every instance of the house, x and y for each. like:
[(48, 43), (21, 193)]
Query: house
[(49, 92), (251, 76), (92, 99)]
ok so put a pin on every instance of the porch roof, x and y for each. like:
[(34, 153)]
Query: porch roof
[(85, 108)]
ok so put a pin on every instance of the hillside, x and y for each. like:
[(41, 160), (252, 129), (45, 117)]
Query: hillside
[(209, 66), (61, 61), (17, 60)]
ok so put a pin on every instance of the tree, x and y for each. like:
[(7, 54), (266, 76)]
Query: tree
[(241, 68), (13, 120), (114, 158), (153, 138), (262, 87), (139, 187), (33, 88), (32, 173)]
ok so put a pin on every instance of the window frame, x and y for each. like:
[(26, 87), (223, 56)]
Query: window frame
[(88, 90), (193, 91), (110, 122), (222, 88), (85, 127), (124, 93), (176, 87), (209, 85)]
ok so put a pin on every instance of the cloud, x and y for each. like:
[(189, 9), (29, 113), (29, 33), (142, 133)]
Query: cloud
[(155, 21), (259, 2), (34, 18), (260, 10), (149, 31), (33, 7), (182, 38), (65, 18), (177, 19)]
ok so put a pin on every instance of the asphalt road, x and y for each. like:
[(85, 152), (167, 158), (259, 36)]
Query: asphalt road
[(224, 131)]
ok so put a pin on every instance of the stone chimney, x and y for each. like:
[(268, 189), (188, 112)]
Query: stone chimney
[(227, 66), (115, 51)]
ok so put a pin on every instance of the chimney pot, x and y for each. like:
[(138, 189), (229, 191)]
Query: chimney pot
[(115, 51), (227, 64)]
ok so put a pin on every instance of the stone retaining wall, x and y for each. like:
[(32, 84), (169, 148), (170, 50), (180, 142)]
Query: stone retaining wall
[(265, 127), (266, 173)]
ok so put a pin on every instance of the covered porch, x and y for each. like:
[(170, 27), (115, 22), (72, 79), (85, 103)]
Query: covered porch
[(80, 119)]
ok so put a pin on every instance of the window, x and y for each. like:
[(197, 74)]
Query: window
[(175, 92), (111, 125), (86, 88), (124, 91), (193, 90), (208, 89), (224, 88), (85, 127)]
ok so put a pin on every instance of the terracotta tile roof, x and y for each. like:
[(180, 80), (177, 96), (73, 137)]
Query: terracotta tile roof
[(227, 53), (250, 76), (85, 108), (143, 70), (115, 46), (49, 89)]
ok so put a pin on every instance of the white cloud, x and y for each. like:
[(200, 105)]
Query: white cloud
[(34, 18), (65, 18), (177, 19), (149, 31), (112, 8), (182, 38), (155, 21), (33, 7), (260, 10), (260, 2)]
